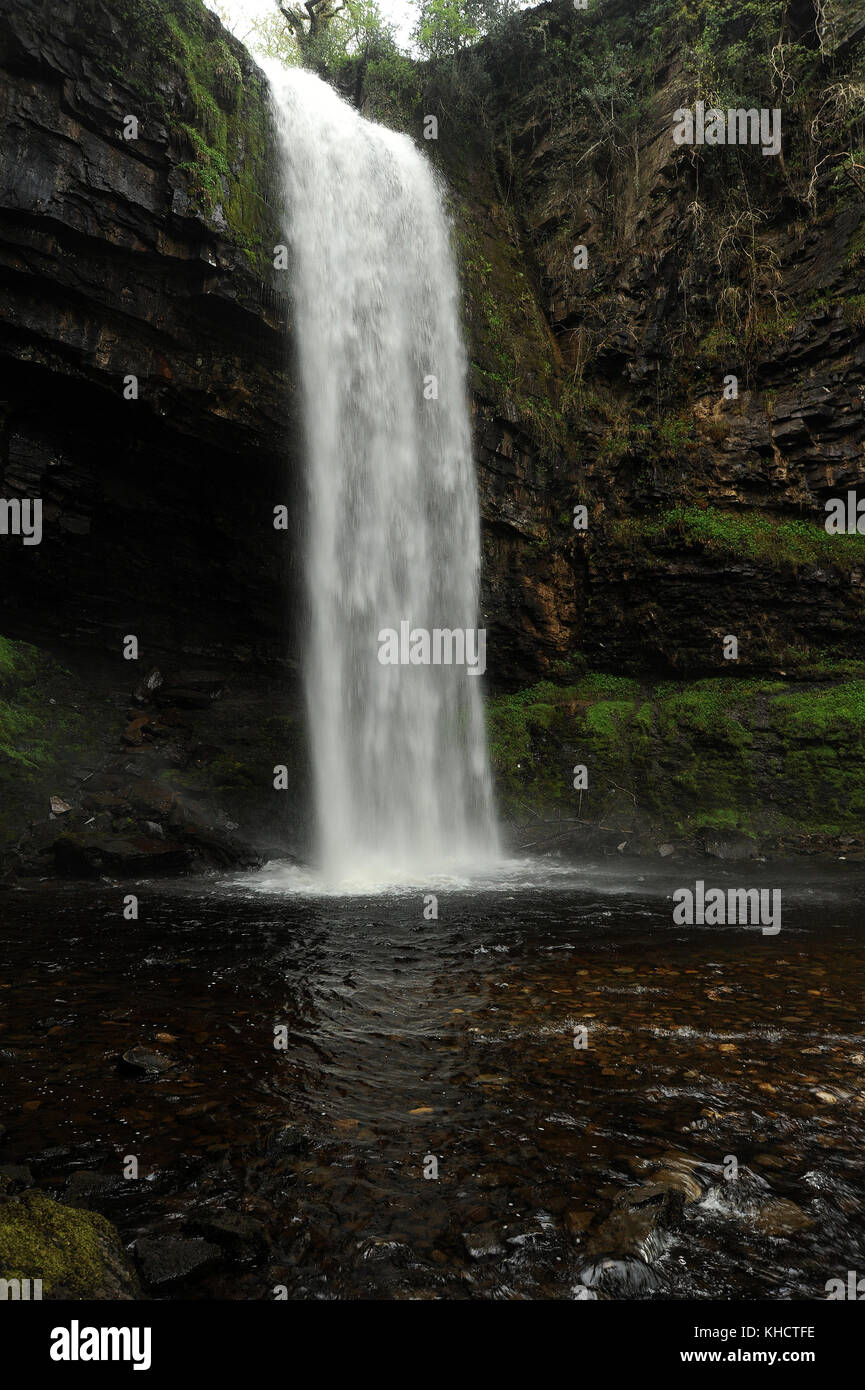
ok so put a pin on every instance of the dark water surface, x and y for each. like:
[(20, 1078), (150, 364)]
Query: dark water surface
[(454, 1038)]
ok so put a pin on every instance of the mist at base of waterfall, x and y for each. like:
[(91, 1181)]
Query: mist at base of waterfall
[(610, 877)]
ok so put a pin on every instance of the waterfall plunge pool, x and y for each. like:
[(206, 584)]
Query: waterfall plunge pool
[(409, 1038)]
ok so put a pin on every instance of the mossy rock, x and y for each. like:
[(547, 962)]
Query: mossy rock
[(739, 756), (76, 1254), (197, 79), (49, 725)]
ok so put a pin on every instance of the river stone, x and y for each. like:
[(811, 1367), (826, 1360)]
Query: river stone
[(85, 1185), (677, 1181), (140, 1059), (482, 1244), (239, 1232), (729, 845), (166, 1259), (14, 1177), (782, 1218), (619, 1278)]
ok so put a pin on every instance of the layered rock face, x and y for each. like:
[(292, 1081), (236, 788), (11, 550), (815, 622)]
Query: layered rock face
[(140, 257), (601, 376), (148, 405), (672, 337)]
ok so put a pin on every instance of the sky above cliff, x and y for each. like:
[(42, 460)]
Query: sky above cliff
[(242, 13)]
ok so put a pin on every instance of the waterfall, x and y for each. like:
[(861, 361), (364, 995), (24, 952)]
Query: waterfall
[(392, 538)]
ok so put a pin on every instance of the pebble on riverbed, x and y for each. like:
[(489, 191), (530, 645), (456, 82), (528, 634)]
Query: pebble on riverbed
[(142, 1060)]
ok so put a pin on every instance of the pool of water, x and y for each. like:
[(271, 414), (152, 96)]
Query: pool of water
[(429, 1128)]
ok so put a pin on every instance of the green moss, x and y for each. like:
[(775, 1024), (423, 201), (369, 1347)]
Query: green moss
[(758, 756), (782, 545), (855, 255), (221, 125), (42, 733), (854, 310), (514, 357), (823, 733), (40, 1239)]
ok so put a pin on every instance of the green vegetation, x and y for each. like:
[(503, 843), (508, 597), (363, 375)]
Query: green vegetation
[(42, 733), (781, 545), (198, 81), (62, 1246), (514, 355), (671, 759)]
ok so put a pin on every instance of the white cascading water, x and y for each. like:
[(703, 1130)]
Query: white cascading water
[(399, 752)]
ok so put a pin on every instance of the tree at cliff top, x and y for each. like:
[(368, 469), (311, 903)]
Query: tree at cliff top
[(321, 34)]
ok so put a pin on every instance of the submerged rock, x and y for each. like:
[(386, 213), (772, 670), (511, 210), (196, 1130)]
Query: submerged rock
[(619, 1278), (140, 1059), (782, 1218), (482, 1244)]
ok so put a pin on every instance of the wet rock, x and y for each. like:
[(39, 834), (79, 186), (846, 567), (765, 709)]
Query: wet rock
[(218, 846), (637, 1225), (86, 1186), (82, 854), (576, 1222), (782, 1218), (134, 734), (76, 1254), (619, 1278), (729, 845), (14, 1177), (235, 1231), (678, 1180), (152, 799), (627, 1232), (142, 1060), (167, 1259), (666, 850), (191, 690), (145, 689), (482, 1244)]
